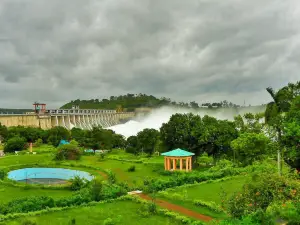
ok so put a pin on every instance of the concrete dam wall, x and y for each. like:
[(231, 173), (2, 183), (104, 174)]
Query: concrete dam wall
[(84, 119)]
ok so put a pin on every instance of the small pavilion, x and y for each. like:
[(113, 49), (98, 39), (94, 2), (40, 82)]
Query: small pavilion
[(184, 157)]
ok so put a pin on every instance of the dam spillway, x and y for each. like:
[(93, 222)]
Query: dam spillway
[(68, 118)]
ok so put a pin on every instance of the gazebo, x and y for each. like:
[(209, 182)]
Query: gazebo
[(178, 154)]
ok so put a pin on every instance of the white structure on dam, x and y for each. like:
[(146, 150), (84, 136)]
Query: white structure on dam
[(87, 118)]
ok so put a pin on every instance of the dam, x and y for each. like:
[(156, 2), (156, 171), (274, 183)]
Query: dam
[(68, 118)]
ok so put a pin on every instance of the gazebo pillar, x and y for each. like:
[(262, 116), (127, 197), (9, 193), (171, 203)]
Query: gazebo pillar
[(180, 164), (187, 164), (174, 164)]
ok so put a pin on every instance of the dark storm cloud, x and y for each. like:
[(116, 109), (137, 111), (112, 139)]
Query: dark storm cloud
[(204, 50)]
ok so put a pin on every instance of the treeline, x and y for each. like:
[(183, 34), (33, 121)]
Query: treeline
[(130, 102), (18, 138)]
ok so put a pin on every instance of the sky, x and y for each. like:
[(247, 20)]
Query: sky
[(194, 50)]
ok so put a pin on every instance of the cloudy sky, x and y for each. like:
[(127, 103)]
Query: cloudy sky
[(203, 50)]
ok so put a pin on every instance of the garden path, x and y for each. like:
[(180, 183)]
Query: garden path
[(177, 208)]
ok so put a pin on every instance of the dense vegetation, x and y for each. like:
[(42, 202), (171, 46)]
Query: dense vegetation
[(246, 147), (130, 102)]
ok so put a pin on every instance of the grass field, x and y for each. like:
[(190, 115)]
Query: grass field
[(9, 193), (119, 212), (127, 211), (211, 191)]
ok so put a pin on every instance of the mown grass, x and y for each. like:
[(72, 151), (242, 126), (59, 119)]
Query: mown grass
[(8, 193), (211, 191), (118, 212)]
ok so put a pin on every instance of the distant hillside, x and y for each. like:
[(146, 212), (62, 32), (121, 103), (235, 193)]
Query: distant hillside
[(130, 102)]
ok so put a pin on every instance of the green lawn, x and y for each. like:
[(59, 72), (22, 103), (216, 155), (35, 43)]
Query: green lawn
[(8, 193), (211, 191), (121, 212)]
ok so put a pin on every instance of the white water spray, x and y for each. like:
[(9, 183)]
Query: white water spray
[(162, 115)]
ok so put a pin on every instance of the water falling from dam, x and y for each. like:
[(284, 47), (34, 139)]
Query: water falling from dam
[(162, 115)]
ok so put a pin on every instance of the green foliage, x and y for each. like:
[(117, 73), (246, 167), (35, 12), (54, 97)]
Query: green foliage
[(131, 168), (146, 140), (68, 152), (15, 144), (77, 183), (56, 134), (74, 142), (250, 146), (132, 145), (204, 159), (38, 142), (96, 188), (109, 221), (261, 193), (2, 174), (291, 134), (29, 222), (111, 177)]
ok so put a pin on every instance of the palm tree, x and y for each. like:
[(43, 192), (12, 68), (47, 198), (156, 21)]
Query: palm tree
[(272, 118), (277, 108)]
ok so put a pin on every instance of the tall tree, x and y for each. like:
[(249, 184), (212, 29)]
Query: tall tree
[(147, 140), (274, 112)]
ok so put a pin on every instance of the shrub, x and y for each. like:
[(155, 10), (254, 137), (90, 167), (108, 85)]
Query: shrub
[(15, 144), (73, 221), (27, 204), (38, 142), (29, 222), (111, 177), (74, 142), (77, 183), (68, 152), (131, 169), (2, 174), (96, 188), (108, 221), (261, 193)]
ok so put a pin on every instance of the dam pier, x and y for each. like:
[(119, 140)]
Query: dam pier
[(68, 118)]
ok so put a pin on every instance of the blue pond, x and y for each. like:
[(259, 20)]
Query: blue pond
[(46, 175)]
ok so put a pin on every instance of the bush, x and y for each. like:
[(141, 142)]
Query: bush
[(77, 183), (258, 195), (96, 188), (27, 204), (68, 152), (111, 177), (15, 144), (108, 221), (131, 169), (29, 222), (38, 142), (2, 174)]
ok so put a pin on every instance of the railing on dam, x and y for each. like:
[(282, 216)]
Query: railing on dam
[(79, 111)]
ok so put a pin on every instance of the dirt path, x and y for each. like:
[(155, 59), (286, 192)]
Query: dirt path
[(104, 175), (177, 208)]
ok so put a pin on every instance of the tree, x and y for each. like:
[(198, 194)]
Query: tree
[(79, 135), (250, 146), (15, 144), (291, 133), (56, 134), (274, 111), (3, 132), (182, 131), (217, 136), (147, 140), (132, 145), (68, 152)]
